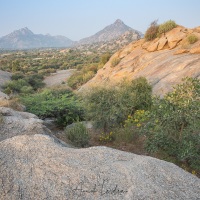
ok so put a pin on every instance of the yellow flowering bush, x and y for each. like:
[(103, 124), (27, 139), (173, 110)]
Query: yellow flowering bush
[(106, 137), (139, 117)]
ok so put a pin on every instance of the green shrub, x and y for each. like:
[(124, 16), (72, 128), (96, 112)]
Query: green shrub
[(105, 58), (192, 39), (35, 81), (115, 62), (61, 104), (136, 95), (166, 26), (26, 90), (174, 122), (17, 75), (152, 31), (77, 133), (79, 78), (23, 84), (15, 86), (110, 106), (156, 30), (83, 76)]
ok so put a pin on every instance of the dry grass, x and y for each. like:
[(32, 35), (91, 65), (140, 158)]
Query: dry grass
[(135, 146), (12, 103)]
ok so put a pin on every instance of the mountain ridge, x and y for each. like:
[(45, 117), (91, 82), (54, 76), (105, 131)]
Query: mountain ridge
[(26, 39)]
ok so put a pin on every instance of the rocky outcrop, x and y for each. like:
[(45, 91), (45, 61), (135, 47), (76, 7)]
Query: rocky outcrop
[(4, 77), (164, 61), (3, 96), (36, 167), (14, 123)]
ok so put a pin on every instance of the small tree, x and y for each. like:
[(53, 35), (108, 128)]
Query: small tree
[(110, 106), (174, 123)]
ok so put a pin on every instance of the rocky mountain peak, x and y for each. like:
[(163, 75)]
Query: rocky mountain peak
[(22, 32), (118, 21), (109, 33), (25, 30)]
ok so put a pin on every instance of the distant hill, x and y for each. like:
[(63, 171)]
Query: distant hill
[(112, 45), (26, 39), (109, 33), (111, 38)]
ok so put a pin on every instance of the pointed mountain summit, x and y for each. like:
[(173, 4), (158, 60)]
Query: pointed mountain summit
[(26, 39), (109, 33), (22, 31)]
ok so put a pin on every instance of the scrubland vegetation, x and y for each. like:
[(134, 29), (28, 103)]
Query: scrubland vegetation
[(61, 104), (30, 67), (155, 30), (126, 116)]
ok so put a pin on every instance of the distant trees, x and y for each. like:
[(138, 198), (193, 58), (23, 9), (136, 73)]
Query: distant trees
[(15, 66)]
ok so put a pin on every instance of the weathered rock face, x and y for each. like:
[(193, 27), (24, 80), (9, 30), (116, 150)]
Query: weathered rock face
[(164, 61), (3, 96), (36, 167), (19, 123), (4, 77)]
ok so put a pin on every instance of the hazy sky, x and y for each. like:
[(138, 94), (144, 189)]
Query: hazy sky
[(76, 19)]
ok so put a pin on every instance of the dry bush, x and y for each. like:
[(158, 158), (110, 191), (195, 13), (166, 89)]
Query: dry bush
[(12, 103), (152, 31)]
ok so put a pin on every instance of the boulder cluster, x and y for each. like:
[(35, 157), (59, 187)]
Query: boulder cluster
[(35, 165)]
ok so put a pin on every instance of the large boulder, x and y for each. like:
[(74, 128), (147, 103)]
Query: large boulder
[(36, 167), (19, 123), (4, 77)]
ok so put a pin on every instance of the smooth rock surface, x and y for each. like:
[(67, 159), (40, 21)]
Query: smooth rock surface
[(36, 167), (19, 123), (4, 77)]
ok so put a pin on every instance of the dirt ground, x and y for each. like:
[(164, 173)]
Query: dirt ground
[(58, 78)]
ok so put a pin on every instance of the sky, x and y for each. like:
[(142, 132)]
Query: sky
[(77, 19)]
